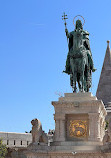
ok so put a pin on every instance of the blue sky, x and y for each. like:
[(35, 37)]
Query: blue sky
[(33, 51)]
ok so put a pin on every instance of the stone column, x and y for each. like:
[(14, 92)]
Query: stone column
[(103, 127), (97, 127), (91, 126), (94, 126), (62, 130), (59, 127)]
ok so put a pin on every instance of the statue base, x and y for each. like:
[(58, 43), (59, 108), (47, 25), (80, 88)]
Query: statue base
[(79, 128), (79, 117)]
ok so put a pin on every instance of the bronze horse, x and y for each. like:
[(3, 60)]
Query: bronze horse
[(79, 63)]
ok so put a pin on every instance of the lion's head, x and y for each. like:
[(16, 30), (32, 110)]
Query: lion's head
[(34, 122)]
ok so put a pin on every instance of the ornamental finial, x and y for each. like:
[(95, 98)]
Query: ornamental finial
[(108, 43)]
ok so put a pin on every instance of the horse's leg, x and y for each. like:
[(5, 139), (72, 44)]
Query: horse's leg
[(82, 76), (74, 79), (73, 83), (74, 88), (83, 81), (78, 80), (71, 80), (79, 85)]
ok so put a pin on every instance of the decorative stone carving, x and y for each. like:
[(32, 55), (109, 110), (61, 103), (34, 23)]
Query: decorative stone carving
[(78, 128), (106, 138), (38, 134), (109, 127)]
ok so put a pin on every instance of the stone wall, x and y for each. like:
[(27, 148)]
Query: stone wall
[(16, 139), (72, 155)]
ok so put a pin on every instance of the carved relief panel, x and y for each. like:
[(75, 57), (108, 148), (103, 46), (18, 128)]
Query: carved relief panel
[(77, 126)]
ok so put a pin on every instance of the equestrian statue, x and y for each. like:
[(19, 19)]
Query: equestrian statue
[(79, 63)]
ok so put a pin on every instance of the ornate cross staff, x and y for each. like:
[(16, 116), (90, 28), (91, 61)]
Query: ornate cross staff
[(64, 17)]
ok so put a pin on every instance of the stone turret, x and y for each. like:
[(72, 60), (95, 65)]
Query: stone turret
[(104, 87)]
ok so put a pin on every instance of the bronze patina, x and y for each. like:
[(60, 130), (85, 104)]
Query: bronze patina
[(79, 63)]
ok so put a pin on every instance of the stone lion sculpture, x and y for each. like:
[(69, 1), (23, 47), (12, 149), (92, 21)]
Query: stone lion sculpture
[(38, 134)]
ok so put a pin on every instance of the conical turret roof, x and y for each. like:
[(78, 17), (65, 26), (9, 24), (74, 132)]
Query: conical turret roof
[(104, 87)]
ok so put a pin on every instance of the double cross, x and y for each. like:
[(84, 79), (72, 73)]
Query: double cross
[(64, 17)]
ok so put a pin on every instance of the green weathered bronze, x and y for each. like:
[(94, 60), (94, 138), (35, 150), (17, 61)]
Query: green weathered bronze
[(79, 63)]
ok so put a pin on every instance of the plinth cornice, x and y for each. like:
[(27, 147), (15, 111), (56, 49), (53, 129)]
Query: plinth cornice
[(76, 104)]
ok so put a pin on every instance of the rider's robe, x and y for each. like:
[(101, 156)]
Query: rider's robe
[(70, 45), (86, 45)]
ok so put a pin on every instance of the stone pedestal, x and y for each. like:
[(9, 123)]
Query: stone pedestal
[(79, 129), (83, 114)]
